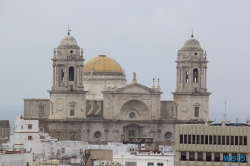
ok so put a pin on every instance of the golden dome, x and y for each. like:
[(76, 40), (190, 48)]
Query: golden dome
[(102, 65)]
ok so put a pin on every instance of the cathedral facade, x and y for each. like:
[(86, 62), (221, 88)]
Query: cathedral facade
[(93, 102)]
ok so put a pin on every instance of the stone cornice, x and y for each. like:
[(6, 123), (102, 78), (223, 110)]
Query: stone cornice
[(67, 92), (191, 93)]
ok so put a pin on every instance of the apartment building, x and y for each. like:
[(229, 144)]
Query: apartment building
[(212, 144)]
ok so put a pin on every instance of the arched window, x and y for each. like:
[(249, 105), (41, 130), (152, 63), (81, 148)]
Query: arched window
[(195, 76), (71, 73), (72, 110)]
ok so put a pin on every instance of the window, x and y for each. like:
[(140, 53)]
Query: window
[(160, 164), (191, 156), (189, 139), (198, 139), (132, 115), (72, 110), (168, 135), (29, 137), (217, 157), (236, 140), (29, 126), (150, 164), (186, 76), (196, 111), (131, 133), (219, 140), (234, 157), (97, 135), (245, 140), (210, 139), (62, 75), (232, 140), (226, 157), (72, 137), (195, 76), (208, 156), (223, 140), (41, 111), (71, 87), (181, 139), (27, 164), (22, 127), (240, 140), (202, 139), (185, 139), (183, 156), (193, 139), (227, 140), (206, 139), (71, 73), (200, 156), (243, 158), (214, 139)]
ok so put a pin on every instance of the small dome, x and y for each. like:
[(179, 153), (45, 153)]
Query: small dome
[(102, 65), (68, 40), (192, 43)]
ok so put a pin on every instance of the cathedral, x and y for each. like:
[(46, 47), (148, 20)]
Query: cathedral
[(93, 102)]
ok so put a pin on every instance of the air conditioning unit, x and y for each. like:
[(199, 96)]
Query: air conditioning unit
[(103, 163), (117, 163), (108, 163)]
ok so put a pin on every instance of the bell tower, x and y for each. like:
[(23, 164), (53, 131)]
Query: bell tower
[(191, 97), (67, 96)]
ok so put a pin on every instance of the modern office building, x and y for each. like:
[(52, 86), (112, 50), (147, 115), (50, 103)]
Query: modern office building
[(217, 144)]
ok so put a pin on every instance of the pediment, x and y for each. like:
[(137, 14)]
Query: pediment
[(136, 88)]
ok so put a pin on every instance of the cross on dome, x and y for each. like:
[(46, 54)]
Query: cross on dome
[(68, 30)]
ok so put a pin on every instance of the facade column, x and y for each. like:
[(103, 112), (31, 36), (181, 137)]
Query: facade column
[(58, 76), (66, 78), (53, 76), (77, 75), (182, 77), (202, 77), (81, 75), (177, 78), (199, 78), (190, 79), (205, 78)]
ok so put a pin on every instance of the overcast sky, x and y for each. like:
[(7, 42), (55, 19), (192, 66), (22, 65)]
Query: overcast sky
[(142, 36)]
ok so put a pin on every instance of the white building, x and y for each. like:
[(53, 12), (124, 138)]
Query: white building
[(21, 159), (25, 130)]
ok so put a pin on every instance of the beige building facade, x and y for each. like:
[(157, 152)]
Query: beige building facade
[(4, 131), (213, 145), (93, 102)]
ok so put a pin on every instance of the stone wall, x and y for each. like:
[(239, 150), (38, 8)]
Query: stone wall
[(31, 108)]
